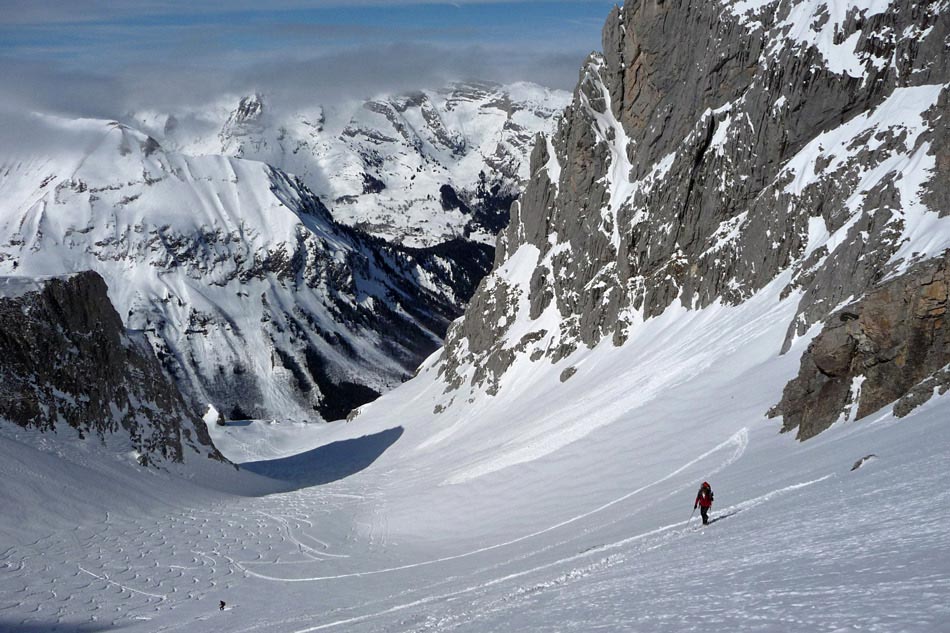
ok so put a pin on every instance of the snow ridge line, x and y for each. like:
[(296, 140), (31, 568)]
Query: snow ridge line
[(586, 553), (112, 582), (740, 440)]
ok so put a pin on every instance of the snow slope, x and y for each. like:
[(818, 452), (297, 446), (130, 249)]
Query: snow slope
[(254, 297), (479, 524), (553, 494), (381, 164)]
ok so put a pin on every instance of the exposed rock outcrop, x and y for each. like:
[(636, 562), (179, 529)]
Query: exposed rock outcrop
[(67, 361), (715, 148), (874, 351)]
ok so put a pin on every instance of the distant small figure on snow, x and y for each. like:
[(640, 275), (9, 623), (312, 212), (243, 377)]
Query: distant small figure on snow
[(704, 499), (221, 605)]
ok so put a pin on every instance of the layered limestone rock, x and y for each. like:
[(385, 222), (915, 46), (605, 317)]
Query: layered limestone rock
[(874, 351), (66, 361), (712, 147)]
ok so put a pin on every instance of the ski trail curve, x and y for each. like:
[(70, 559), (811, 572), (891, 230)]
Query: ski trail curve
[(740, 440), (569, 559), (121, 586), (311, 553)]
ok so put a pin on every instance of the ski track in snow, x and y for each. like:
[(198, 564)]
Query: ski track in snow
[(740, 440), (142, 563), (141, 560), (557, 563), (166, 574)]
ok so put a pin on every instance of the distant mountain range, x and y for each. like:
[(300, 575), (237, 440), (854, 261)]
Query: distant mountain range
[(257, 295), (416, 169)]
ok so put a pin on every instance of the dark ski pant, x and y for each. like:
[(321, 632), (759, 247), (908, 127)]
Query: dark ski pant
[(705, 513)]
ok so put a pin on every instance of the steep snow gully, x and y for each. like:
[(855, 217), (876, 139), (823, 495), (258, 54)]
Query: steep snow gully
[(646, 311), (594, 535)]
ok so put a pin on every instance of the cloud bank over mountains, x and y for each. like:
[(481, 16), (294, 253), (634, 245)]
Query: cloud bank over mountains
[(106, 58)]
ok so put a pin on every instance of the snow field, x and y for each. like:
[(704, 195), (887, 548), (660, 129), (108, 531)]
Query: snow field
[(587, 534), (846, 549)]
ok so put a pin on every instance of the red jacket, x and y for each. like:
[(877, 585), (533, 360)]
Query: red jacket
[(704, 498)]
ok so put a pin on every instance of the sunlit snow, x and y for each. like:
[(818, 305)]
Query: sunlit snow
[(491, 531)]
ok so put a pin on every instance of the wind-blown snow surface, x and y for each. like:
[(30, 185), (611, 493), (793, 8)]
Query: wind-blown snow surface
[(551, 506)]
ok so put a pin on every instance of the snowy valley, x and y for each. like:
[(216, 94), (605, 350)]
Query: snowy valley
[(256, 294), (486, 527), (730, 263)]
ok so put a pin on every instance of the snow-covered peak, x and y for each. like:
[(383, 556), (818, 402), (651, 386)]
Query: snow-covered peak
[(386, 165), (254, 297), (249, 109)]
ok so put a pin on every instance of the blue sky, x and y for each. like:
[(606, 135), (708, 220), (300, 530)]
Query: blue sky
[(99, 56)]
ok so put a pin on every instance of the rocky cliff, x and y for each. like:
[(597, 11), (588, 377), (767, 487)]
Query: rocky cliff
[(715, 148), (68, 363), (254, 297), (890, 345)]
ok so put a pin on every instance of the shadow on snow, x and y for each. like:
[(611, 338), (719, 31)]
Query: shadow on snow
[(722, 517), (329, 463), (236, 423)]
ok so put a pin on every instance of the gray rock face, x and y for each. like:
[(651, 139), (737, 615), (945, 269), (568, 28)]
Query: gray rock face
[(874, 351), (243, 127), (710, 150), (68, 360)]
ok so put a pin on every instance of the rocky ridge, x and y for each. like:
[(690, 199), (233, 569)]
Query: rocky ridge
[(891, 345), (69, 363), (802, 143)]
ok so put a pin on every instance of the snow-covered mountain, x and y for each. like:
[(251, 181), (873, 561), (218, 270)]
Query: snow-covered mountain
[(254, 298), (799, 144), (212, 242), (745, 205), (418, 169)]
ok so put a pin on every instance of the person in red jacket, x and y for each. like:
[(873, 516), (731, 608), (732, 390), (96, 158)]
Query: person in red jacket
[(704, 499)]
